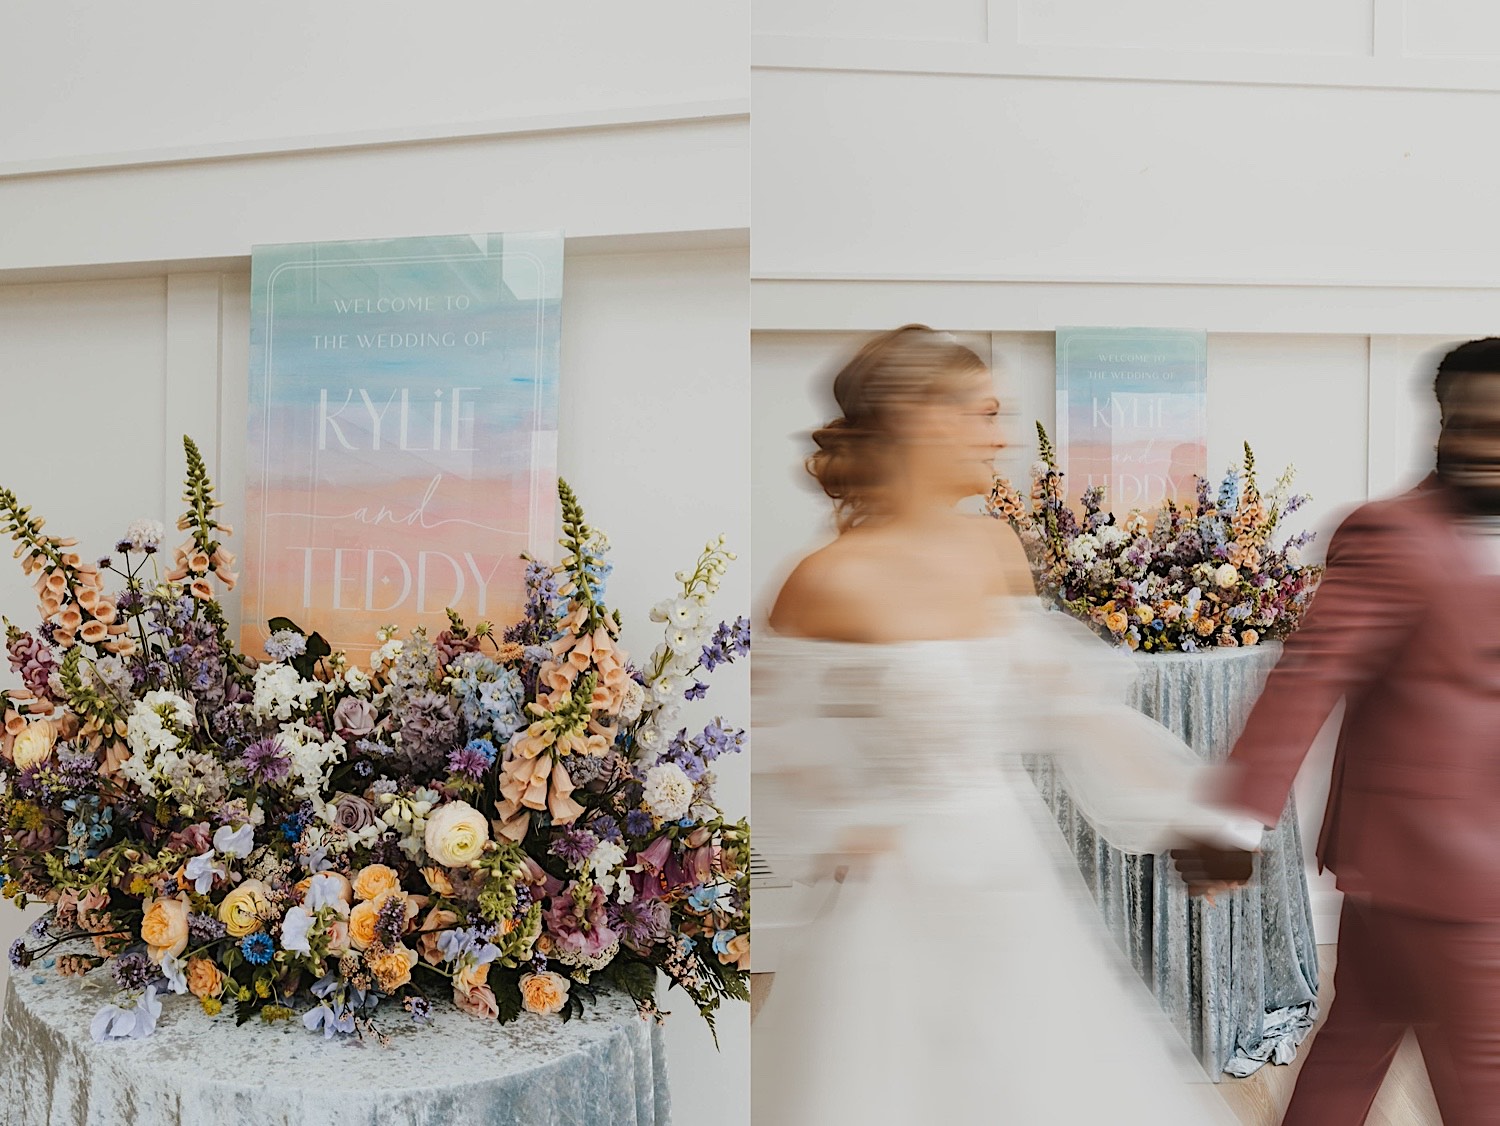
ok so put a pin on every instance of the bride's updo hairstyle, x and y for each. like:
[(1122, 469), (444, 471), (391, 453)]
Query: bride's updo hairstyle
[(892, 372)]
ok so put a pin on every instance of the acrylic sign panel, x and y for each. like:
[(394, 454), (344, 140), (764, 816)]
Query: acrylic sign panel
[(1132, 413), (402, 431)]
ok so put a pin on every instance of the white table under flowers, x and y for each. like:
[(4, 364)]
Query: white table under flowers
[(604, 1068)]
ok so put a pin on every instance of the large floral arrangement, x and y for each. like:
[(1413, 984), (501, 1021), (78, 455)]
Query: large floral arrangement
[(1187, 577), (507, 819)]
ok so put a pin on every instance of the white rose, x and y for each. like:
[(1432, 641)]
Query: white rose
[(1227, 575), (456, 834)]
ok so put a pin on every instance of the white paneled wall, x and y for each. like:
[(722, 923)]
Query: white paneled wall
[(99, 380)]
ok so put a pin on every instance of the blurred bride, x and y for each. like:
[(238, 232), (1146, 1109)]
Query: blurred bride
[(956, 972)]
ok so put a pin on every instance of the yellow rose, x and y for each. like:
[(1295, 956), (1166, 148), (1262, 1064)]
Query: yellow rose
[(240, 912), (1116, 622), (33, 746), (374, 880), (204, 978), (165, 927), (544, 993), (1145, 614), (1206, 626), (438, 880), (392, 968), (362, 924), (471, 977), (456, 834)]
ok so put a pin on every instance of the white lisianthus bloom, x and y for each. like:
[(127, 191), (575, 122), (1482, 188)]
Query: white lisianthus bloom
[(668, 794), (604, 864)]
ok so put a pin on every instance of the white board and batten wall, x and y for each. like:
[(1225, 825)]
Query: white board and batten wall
[(1307, 181), (130, 206)]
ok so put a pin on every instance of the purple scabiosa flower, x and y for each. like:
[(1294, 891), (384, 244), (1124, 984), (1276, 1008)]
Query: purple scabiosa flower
[(20, 956), (637, 823), (266, 762), (468, 763), (203, 929), (133, 972), (573, 846), (285, 644)]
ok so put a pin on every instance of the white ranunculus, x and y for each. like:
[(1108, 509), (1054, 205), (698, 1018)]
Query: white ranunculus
[(456, 834), (1227, 575)]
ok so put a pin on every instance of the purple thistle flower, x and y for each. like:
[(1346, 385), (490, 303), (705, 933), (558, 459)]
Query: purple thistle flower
[(465, 762), (133, 972), (266, 762), (641, 924), (573, 846)]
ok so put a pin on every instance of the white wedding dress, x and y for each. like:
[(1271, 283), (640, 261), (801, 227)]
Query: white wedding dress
[(962, 975)]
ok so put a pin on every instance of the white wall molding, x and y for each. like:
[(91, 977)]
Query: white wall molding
[(1388, 68), (610, 117), (870, 303)]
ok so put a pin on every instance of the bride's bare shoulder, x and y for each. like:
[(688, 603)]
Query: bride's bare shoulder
[(830, 594)]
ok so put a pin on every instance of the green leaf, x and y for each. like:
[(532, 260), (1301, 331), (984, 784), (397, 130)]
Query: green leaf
[(506, 985)]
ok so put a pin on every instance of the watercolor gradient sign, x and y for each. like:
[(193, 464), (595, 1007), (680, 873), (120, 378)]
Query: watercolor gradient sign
[(1132, 413), (402, 431)]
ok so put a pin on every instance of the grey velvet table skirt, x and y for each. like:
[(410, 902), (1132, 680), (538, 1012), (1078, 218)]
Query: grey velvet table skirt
[(606, 1068), (1238, 978)]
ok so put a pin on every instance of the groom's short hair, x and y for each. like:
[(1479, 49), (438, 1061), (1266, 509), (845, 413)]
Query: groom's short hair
[(1475, 357)]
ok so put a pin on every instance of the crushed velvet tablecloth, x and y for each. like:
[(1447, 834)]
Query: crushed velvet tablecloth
[(606, 1068), (1238, 978)]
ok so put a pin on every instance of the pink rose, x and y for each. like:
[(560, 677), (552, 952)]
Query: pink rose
[(354, 717), (477, 1002)]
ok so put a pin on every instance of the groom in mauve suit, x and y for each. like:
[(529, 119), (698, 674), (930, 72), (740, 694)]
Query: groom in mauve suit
[(1406, 629)]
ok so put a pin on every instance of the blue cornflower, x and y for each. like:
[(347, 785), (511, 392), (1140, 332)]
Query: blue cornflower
[(606, 828), (637, 823), (257, 948)]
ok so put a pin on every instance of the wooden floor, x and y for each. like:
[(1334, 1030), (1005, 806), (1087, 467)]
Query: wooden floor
[(1405, 1100)]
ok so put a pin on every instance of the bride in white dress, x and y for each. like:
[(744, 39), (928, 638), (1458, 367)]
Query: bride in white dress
[(956, 972)]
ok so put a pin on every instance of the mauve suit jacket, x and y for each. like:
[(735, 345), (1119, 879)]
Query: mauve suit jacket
[(1406, 628)]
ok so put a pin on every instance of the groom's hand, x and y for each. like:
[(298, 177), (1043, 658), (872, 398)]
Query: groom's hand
[(1208, 869)]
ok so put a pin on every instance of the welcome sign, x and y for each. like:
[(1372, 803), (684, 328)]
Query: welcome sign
[(402, 431), (1132, 413)]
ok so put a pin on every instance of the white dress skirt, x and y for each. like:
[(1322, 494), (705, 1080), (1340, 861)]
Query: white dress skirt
[(962, 975)]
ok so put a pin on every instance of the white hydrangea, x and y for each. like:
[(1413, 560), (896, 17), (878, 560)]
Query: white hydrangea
[(280, 691), (1111, 535), (155, 732), (312, 758), (1083, 549), (669, 794)]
